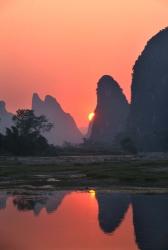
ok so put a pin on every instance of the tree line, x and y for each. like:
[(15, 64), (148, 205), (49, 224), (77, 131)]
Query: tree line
[(25, 136)]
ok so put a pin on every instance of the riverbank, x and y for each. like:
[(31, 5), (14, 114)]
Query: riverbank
[(124, 172), (71, 160)]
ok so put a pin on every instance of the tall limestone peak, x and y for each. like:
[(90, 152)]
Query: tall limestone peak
[(5, 118), (111, 111), (64, 129), (106, 82), (149, 113)]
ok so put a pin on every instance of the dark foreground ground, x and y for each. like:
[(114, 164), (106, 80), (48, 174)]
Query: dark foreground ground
[(142, 173)]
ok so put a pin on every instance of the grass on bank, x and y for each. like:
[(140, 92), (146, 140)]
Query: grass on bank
[(107, 174)]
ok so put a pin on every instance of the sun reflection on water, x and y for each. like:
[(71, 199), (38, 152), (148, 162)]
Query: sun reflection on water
[(92, 193)]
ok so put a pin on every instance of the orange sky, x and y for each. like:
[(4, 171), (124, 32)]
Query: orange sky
[(62, 47)]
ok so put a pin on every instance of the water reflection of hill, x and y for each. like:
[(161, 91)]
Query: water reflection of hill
[(112, 208), (150, 213), (50, 201), (3, 200), (150, 217)]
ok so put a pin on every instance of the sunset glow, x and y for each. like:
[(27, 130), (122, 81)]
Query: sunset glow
[(62, 48), (91, 116), (83, 90)]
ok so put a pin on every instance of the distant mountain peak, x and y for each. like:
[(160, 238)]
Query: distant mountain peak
[(65, 128), (5, 118), (36, 100), (2, 107), (49, 98), (52, 102)]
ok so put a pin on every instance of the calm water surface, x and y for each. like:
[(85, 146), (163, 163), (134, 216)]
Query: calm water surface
[(83, 220)]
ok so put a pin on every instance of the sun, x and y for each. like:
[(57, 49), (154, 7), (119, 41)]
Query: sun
[(92, 193), (91, 116)]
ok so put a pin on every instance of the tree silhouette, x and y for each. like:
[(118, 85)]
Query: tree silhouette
[(24, 138)]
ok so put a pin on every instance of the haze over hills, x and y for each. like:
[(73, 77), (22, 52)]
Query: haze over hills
[(111, 112), (5, 118), (145, 120), (149, 112), (65, 128)]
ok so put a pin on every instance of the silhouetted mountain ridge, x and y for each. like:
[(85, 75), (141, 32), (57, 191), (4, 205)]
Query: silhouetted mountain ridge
[(111, 111), (149, 113), (65, 128)]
